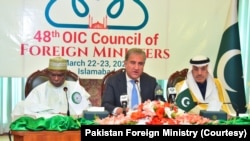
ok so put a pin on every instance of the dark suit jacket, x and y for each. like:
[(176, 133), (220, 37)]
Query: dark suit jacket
[(116, 85)]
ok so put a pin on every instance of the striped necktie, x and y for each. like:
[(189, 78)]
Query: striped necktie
[(134, 97)]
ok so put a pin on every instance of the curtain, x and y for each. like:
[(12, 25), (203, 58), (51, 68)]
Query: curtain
[(244, 27), (12, 91)]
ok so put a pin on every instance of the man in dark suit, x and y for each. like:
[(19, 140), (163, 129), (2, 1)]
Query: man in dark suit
[(121, 84)]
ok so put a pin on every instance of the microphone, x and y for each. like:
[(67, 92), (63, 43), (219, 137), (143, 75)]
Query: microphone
[(124, 102), (230, 103), (235, 106), (66, 91), (159, 93), (137, 85), (171, 94)]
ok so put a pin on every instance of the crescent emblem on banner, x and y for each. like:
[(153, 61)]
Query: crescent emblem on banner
[(185, 101), (221, 66)]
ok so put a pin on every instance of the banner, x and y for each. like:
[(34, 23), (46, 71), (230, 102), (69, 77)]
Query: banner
[(95, 35), (228, 67)]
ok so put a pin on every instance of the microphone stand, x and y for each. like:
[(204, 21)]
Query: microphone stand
[(66, 90), (236, 110), (138, 87), (124, 105), (171, 95), (236, 107), (124, 102)]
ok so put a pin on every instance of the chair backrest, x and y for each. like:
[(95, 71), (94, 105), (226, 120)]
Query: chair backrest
[(177, 77), (41, 76), (105, 78)]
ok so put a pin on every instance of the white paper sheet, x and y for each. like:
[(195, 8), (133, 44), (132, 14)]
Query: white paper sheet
[(214, 106)]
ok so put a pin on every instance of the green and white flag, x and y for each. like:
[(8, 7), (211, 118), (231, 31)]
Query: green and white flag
[(228, 66), (184, 101), (77, 101)]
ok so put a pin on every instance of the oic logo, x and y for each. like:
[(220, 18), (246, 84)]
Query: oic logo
[(76, 98)]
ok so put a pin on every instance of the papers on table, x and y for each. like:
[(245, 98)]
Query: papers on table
[(96, 109), (214, 106)]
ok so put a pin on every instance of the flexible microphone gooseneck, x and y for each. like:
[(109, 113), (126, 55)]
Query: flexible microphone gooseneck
[(235, 106), (137, 85), (66, 93), (231, 103)]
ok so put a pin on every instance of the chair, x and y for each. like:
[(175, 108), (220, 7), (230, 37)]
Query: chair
[(175, 78), (41, 76), (105, 78), (93, 87)]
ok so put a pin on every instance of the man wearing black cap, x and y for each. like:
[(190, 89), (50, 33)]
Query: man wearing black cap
[(201, 90)]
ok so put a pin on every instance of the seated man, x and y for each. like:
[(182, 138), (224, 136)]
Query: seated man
[(137, 85), (54, 95), (200, 90)]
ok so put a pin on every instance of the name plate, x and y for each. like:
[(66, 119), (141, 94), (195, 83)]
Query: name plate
[(90, 115), (214, 115)]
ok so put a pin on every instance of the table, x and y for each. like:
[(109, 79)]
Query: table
[(46, 135)]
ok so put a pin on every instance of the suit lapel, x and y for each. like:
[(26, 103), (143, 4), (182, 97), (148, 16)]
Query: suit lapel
[(122, 82)]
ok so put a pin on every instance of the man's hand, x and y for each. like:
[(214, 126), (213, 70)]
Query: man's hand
[(119, 111)]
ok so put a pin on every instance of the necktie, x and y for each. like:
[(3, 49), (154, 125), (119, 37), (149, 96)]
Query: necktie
[(134, 96)]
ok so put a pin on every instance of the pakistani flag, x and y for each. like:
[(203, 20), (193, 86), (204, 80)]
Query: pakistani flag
[(228, 66), (184, 101)]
